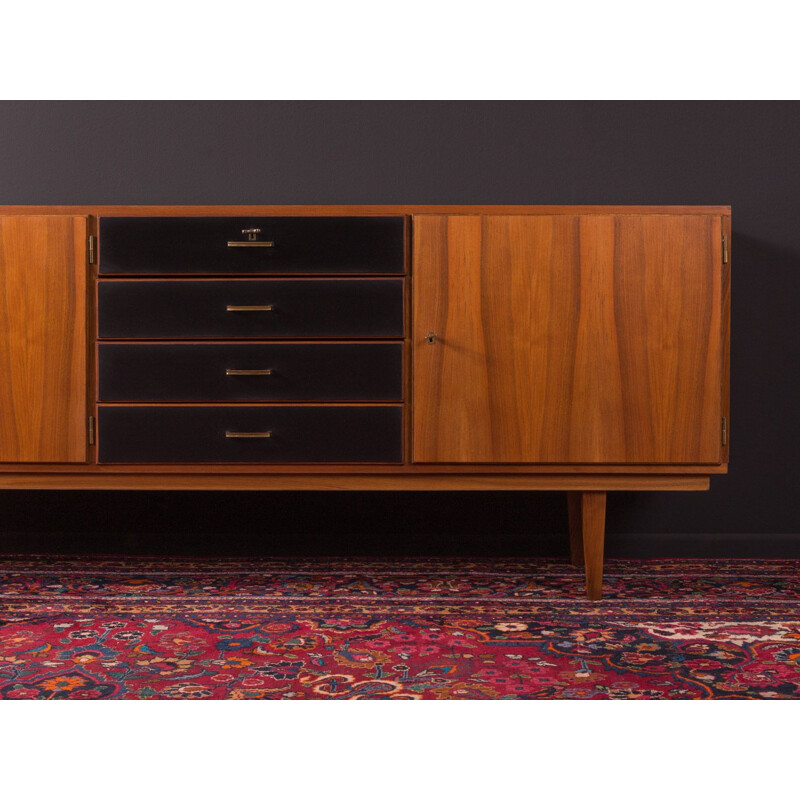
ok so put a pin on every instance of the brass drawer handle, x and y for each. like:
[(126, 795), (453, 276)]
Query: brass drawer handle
[(249, 308), (252, 239), (248, 372), (257, 435)]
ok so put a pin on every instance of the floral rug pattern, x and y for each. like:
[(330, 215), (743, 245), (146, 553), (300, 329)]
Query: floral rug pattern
[(138, 628)]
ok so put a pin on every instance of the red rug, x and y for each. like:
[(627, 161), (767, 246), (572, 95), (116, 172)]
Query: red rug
[(219, 628)]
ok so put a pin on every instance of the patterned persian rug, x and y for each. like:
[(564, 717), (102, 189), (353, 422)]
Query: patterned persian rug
[(491, 629)]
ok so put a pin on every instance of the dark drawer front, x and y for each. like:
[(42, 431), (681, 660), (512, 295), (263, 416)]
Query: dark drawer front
[(265, 309), (332, 434), (175, 245), (251, 372)]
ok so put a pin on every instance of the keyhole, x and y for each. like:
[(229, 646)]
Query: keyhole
[(431, 338)]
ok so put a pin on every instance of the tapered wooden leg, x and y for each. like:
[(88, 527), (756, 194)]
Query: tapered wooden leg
[(593, 527), (575, 528)]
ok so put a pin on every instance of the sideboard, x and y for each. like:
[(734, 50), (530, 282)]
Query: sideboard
[(582, 349)]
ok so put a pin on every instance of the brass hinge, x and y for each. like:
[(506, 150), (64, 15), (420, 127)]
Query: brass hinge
[(724, 431), (91, 248), (724, 249), (91, 430)]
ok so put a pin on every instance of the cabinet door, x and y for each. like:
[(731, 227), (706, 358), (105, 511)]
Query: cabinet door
[(567, 339), (42, 339)]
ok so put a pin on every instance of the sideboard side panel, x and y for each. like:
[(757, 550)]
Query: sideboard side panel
[(43, 350), (667, 296), (591, 339)]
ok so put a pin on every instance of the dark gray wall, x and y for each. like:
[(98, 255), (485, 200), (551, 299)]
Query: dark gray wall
[(743, 154)]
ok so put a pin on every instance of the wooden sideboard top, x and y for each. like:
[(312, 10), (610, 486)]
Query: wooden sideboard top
[(354, 210)]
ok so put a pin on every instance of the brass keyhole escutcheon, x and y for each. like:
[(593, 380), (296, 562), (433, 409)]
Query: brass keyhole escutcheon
[(431, 338)]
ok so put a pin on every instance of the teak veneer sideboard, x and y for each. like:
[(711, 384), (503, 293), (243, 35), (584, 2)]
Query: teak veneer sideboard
[(574, 348)]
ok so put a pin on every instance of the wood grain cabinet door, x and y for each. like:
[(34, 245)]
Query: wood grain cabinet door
[(42, 339), (567, 339)]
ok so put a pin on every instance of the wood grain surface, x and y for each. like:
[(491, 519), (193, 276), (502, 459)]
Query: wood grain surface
[(43, 348), (354, 210), (593, 525), (567, 339), (155, 477), (726, 341)]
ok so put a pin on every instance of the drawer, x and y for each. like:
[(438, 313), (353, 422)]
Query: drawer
[(220, 245), (251, 372), (284, 434), (260, 309)]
